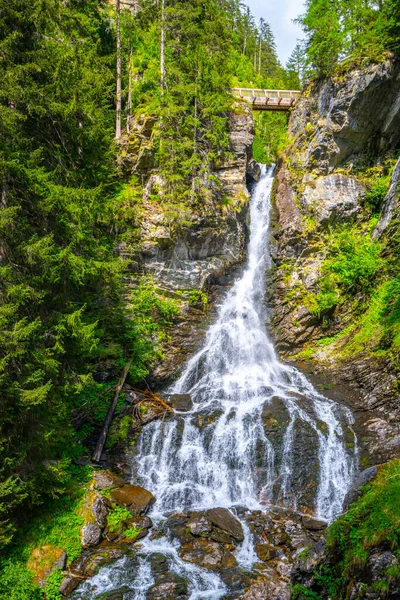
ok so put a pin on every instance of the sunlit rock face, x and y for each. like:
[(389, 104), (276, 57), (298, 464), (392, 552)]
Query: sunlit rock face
[(348, 119), (340, 128)]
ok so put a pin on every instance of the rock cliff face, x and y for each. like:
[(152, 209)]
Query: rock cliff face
[(339, 128), (196, 250)]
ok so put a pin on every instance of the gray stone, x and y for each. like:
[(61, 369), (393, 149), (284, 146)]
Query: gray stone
[(391, 204), (105, 480), (224, 519), (313, 524), (91, 535), (356, 490), (99, 510), (379, 561), (180, 402), (332, 199), (69, 584)]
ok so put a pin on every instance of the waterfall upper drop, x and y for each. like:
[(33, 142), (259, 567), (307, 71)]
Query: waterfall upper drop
[(240, 443)]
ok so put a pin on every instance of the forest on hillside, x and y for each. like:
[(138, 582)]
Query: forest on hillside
[(66, 328)]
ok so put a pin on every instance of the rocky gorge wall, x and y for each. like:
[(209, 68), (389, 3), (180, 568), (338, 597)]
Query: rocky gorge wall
[(344, 131), (334, 295), (191, 254)]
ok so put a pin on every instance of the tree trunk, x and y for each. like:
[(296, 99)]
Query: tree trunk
[(119, 94), (107, 422), (129, 107), (162, 48)]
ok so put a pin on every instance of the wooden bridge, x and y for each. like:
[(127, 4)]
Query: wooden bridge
[(278, 100)]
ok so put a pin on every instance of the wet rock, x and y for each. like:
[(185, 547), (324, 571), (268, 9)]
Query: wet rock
[(224, 519), (89, 562), (90, 535), (356, 489), (237, 580), (314, 524), (169, 587), (178, 526), (199, 525), (254, 170), (266, 552), (69, 584), (207, 554), (136, 499), (288, 212), (267, 590), (106, 480), (159, 563), (180, 402)]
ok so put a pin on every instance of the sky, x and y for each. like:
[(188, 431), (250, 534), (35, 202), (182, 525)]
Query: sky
[(279, 14)]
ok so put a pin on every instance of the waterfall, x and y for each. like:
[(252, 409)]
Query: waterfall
[(220, 453)]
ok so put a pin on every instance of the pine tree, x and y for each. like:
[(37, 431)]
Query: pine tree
[(295, 67)]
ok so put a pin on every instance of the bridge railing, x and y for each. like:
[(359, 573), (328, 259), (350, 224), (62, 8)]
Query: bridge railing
[(267, 99), (248, 93)]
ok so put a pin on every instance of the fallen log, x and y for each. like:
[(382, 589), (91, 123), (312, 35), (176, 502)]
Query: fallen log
[(107, 421)]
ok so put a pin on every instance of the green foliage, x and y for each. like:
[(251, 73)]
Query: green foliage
[(152, 315), (119, 431), (53, 582), (198, 297), (271, 137), (132, 532), (353, 261), (372, 521), (343, 33), (116, 517), (377, 190), (59, 525), (300, 592), (16, 582)]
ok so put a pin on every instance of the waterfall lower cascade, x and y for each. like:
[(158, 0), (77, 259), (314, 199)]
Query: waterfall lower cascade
[(258, 432)]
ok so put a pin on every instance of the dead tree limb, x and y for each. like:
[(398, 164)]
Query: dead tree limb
[(107, 422)]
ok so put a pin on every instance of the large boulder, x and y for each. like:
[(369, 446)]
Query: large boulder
[(224, 519), (136, 499), (91, 535), (106, 480), (169, 586), (332, 199), (207, 554)]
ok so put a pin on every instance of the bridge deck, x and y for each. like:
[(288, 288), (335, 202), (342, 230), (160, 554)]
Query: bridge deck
[(276, 100)]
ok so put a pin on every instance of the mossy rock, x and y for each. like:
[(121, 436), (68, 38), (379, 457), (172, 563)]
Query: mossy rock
[(45, 560)]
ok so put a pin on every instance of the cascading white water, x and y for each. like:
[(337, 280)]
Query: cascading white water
[(218, 454), (230, 380)]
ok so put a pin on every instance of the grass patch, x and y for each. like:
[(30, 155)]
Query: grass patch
[(58, 525), (372, 521), (116, 517)]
